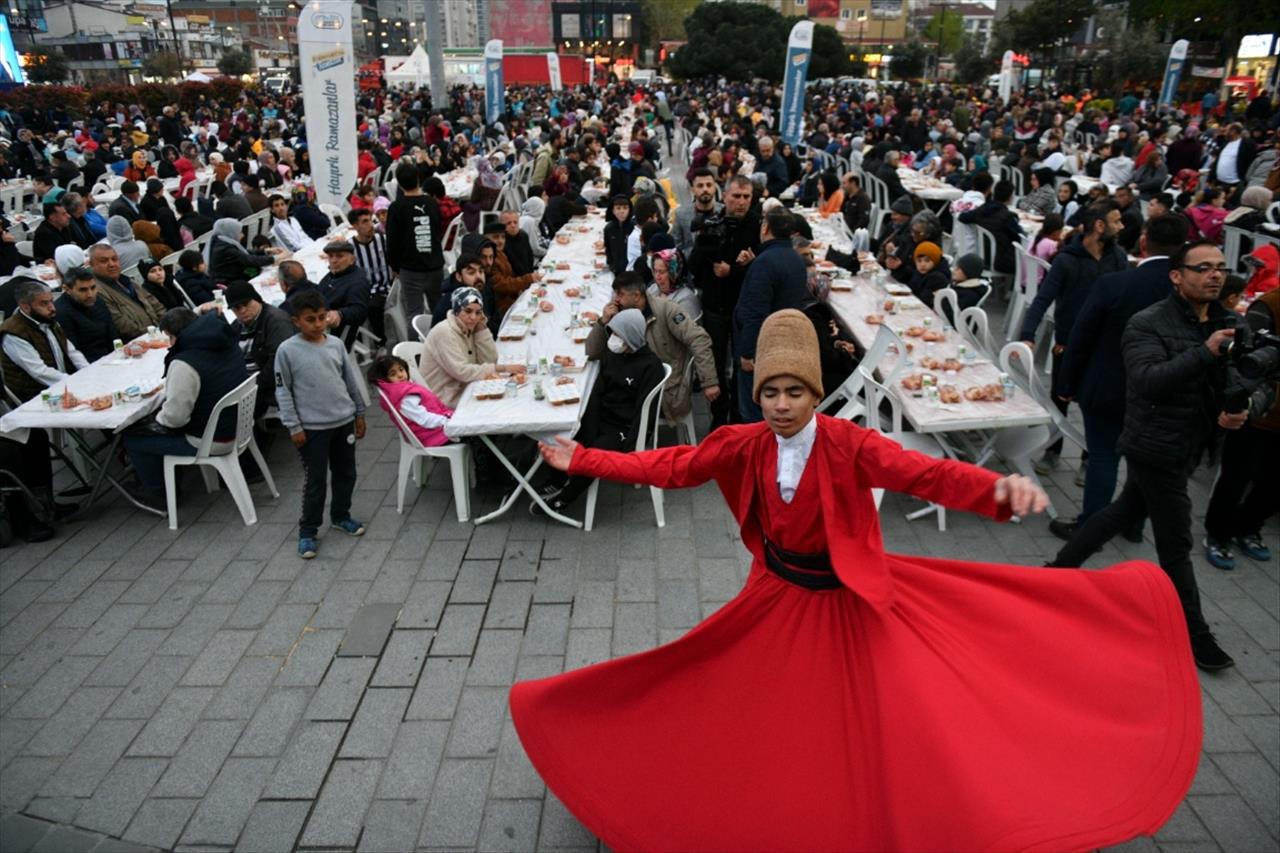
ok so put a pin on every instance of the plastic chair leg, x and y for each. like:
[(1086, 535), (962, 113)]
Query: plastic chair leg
[(659, 510), (229, 467), (407, 458), (589, 520), (262, 466), (461, 488), (210, 478), (171, 490)]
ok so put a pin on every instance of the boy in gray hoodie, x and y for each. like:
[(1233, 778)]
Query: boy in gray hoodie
[(321, 402)]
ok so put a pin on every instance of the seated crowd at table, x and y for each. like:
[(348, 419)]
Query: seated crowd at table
[(213, 210)]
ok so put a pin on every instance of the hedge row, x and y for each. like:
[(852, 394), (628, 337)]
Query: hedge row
[(151, 97)]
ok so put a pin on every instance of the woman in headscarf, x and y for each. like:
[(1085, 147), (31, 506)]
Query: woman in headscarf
[(1185, 152), (1043, 198), (221, 168), (286, 165), (227, 260), (484, 194), (669, 281), (131, 250), (531, 211), (149, 233), (1252, 211), (139, 169), (794, 167), (267, 172), (159, 283)]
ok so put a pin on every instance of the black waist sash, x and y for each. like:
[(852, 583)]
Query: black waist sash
[(811, 571)]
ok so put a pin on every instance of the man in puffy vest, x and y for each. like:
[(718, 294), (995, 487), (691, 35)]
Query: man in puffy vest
[(34, 351)]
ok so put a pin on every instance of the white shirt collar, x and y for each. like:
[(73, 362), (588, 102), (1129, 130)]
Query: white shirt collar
[(1151, 258), (793, 455)]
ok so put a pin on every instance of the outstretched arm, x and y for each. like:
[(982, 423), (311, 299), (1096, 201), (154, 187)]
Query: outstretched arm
[(667, 468)]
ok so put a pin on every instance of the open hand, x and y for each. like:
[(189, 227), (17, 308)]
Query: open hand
[(560, 454), (1022, 495)]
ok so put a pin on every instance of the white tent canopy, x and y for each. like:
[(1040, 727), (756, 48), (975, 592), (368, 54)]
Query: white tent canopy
[(198, 77), (412, 69)]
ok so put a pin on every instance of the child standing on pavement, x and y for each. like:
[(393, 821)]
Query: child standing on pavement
[(322, 404)]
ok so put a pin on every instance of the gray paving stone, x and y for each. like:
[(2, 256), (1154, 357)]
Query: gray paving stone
[(510, 826), (282, 630), (222, 814), (127, 659), (402, 661), (494, 663), (520, 558), (635, 628), (143, 696), (82, 771), (18, 834), (514, 776), (339, 694), (478, 723), (115, 845), (166, 731), (391, 827), (457, 804), (556, 580), (1257, 782), (52, 644), (120, 795), (73, 721), (23, 777), (308, 662), (339, 813), (232, 584), (75, 581), (548, 630), (437, 693), (593, 605), (55, 809), (195, 765), (47, 695), (475, 581), (414, 761), (425, 604), (560, 829), (459, 627), (191, 637), (678, 604), (1232, 823), (340, 604), (153, 582), (1183, 826), (257, 605), (305, 762), (488, 542), (212, 667), (173, 606), (272, 725), (374, 728), (587, 646), (90, 606), (509, 605), (63, 839), (273, 827), (244, 689), (159, 823), (14, 735)]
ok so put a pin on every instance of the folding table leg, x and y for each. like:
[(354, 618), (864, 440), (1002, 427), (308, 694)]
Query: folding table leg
[(523, 484)]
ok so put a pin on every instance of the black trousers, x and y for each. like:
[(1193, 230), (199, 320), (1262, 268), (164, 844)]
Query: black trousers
[(720, 328), (327, 453), (378, 316), (1250, 462), (28, 462), (607, 437), (1160, 493)]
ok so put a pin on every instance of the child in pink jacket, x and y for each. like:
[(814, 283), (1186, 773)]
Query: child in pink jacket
[(421, 410)]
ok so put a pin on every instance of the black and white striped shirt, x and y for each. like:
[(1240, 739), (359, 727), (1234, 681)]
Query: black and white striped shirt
[(372, 258)]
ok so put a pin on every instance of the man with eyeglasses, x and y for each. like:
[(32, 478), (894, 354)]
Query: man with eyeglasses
[(1174, 359)]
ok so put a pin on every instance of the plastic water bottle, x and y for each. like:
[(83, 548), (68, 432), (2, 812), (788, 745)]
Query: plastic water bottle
[(1006, 382), (512, 387)]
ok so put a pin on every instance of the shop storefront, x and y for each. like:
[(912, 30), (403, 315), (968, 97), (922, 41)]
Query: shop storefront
[(1254, 65)]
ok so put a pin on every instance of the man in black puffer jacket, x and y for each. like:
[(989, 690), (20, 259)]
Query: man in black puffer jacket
[(1173, 358)]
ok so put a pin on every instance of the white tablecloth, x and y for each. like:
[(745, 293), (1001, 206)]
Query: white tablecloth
[(458, 183), (107, 375), (868, 297), (548, 336), (926, 187)]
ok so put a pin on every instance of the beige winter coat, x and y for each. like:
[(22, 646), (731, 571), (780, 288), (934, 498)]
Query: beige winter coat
[(452, 358)]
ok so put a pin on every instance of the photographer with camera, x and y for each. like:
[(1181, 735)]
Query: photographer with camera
[(723, 246), (1175, 370), (1250, 455)]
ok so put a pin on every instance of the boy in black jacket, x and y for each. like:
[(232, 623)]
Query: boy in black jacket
[(616, 233)]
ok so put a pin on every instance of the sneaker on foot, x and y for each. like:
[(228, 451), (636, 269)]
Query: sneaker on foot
[(1062, 528), (1046, 464), (1134, 535), (1218, 554), (1253, 547), (350, 526), (306, 547), (1208, 654)]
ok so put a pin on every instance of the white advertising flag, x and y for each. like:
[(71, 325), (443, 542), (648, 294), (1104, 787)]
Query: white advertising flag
[(328, 72), (1006, 76), (553, 71)]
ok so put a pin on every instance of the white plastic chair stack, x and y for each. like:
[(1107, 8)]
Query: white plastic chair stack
[(685, 424), (877, 395), (422, 325), (225, 460), (336, 216), (1026, 285), (646, 439), (412, 450), (851, 389)]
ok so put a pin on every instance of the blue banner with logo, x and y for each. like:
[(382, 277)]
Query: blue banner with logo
[(494, 93), (1173, 71), (799, 51)]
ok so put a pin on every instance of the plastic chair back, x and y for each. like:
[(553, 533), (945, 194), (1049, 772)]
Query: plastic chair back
[(243, 396), (411, 352)]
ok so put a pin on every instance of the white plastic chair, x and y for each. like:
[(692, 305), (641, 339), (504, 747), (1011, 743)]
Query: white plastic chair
[(1019, 446), (685, 424), (335, 214), (944, 298), (225, 459), (422, 325), (1030, 271), (647, 438), (878, 394), (25, 248), (412, 450), (974, 326), (411, 352), (851, 389), (1035, 387)]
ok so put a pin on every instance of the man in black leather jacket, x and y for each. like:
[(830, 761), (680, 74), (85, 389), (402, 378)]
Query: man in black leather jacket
[(1174, 366)]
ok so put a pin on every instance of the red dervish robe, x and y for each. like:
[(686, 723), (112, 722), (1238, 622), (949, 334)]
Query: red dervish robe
[(926, 704)]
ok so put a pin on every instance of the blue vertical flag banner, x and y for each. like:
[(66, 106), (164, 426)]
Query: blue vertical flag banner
[(799, 51), (1173, 71), (494, 92), (328, 71)]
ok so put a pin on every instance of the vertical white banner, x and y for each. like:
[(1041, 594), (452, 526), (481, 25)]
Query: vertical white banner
[(553, 71), (1006, 76), (328, 71), (799, 52), (494, 89)]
